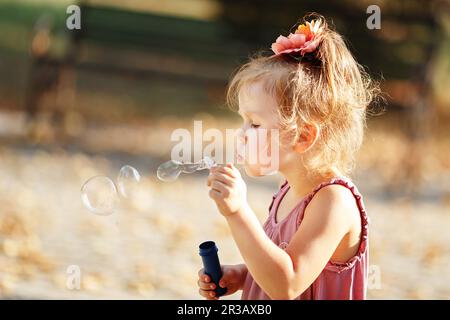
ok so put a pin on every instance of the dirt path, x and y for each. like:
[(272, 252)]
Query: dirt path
[(148, 248)]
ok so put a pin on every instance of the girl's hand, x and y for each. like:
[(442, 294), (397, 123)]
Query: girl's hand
[(233, 277), (228, 189)]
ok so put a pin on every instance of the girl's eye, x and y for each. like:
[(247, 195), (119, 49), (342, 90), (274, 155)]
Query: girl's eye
[(254, 125)]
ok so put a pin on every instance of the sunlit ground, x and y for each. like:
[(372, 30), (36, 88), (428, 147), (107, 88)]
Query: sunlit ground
[(149, 247)]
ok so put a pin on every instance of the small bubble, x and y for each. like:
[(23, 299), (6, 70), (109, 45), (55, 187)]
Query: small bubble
[(128, 180), (99, 195), (169, 171)]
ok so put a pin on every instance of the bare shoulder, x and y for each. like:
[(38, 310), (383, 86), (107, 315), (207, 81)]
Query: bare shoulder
[(335, 203)]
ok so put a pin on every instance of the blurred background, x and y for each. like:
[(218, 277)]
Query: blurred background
[(80, 103)]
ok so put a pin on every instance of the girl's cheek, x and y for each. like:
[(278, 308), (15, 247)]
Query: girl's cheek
[(240, 152), (240, 146), (251, 141), (257, 145)]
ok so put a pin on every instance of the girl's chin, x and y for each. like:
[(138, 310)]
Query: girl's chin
[(250, 171), (253, 171)]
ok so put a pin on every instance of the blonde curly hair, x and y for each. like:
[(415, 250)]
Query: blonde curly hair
[(332, 91)]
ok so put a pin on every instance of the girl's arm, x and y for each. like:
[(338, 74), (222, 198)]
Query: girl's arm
[(283, 274)]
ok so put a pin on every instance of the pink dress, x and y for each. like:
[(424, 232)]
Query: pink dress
[(337, 281)]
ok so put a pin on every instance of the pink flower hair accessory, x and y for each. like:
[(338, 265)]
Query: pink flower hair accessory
[(303, 41)]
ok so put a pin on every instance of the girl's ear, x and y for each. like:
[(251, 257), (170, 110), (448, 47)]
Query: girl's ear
[(309, 132)]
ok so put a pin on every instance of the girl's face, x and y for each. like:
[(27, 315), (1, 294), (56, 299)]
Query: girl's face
[(259, 148)]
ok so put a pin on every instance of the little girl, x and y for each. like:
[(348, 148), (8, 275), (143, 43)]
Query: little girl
[(314, 243)]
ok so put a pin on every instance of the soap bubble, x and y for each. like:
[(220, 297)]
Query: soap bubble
[(127, 180), (170, 170), (99, 195)]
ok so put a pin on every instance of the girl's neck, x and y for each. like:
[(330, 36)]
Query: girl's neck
[(301, 183)]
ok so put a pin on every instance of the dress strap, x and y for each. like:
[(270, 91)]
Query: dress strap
[(276, 197), (343, 181)]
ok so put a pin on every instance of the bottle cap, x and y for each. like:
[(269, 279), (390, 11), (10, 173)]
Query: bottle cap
[(208, 247)]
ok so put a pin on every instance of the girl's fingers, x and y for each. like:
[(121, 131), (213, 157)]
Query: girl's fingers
[(203, 276), (233, 169), (226, 170), (205, 285), (207, 294), (218, 186), (225, 179), (214, 194), (210, 179), (229, 171)]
